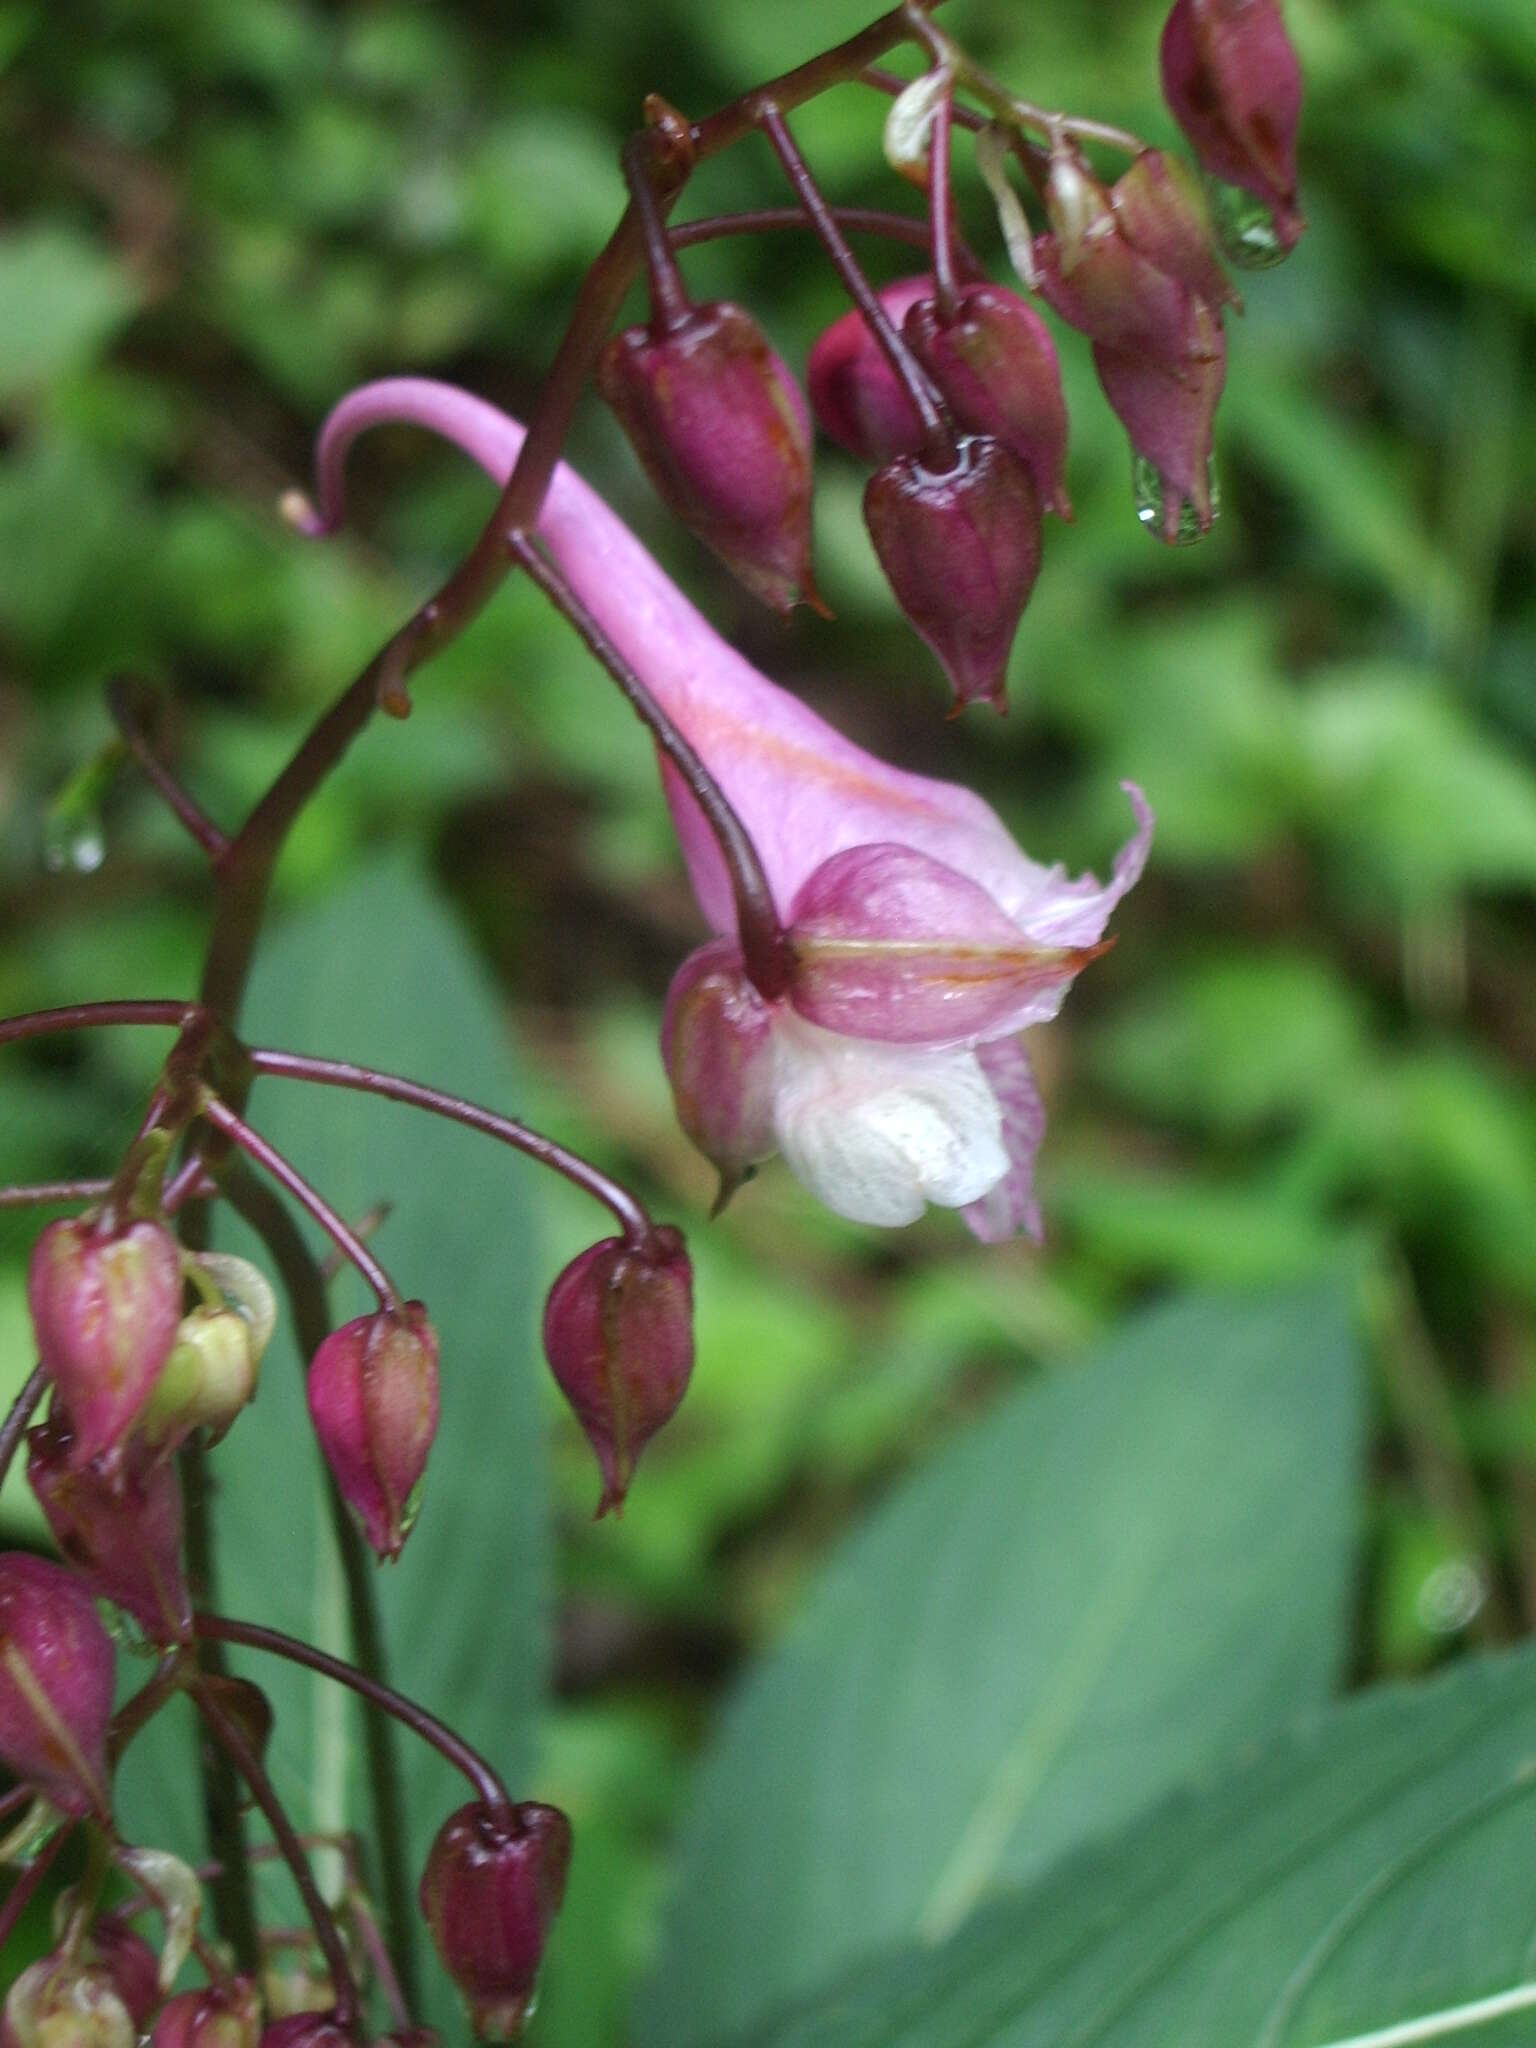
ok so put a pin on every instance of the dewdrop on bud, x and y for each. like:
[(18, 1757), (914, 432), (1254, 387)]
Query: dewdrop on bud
[(717, 1047), (119, 1522), (618, 1334), (373, 1398), (57, 1669), (960, 549), (721, 428), (225, 2015), (492, 1885), (105, 1302), (1231, 77)]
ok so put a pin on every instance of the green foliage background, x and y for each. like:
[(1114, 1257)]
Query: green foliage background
[(1312, 1045)]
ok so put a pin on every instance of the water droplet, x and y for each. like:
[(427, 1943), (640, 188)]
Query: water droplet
[(1152, 506), (1451, 1596), (72, 844), (1245, 227)]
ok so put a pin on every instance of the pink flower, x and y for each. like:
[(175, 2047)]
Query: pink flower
[(925, 938)]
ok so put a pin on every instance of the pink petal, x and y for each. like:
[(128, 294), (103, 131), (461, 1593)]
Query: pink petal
[(1011, 1206)]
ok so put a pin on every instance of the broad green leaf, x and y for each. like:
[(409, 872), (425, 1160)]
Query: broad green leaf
[(378, 974), (61, 296), (1366, 1883), (1114, 1578)]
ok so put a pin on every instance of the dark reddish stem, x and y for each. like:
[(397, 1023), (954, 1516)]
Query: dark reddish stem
[(91, 1016), (938, 438), (14, 1427), (231, 1739), (296, 1066), (764, 942), (127, 701), (26, 1887), (940, 209), (487, 1784), (267, 1156), (670, 304), (853, 220)]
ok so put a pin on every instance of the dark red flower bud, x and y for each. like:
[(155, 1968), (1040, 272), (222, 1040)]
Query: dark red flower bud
[(118, 1520), (618, 1334), (373, 1398), (57, 1667), (130, 1962), (1161, 211), (490, 1891), (960, 550), (1232, 80), (721, 427), (106, 1303), (307, 2030), (717, 1046), (858, 399), (226, 2015), (1168, 410), (995, 364)]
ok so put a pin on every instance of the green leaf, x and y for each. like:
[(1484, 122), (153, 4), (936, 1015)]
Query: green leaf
[(1366, 1883), (1113, 1579), (379, 974), (61, 296)]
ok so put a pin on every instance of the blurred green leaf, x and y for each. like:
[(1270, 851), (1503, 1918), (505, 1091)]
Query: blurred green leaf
[(1372, 1869), (61, 298), (1116, 1577)]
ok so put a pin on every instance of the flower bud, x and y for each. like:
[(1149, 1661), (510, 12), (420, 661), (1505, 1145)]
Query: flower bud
[(1118, 296), (105, 1304), (1168, 409), (717, 1046), (1162, 212), (61, 2003), (721, 428), (307, 2030), (858, 399), (130, 1963), (1231, 78), (211, 1372), (57, 1667), (618, 1334), (118, 1520), (490, 1891), (995, 364), (373, 1398), (960, 550), (226, 2015)]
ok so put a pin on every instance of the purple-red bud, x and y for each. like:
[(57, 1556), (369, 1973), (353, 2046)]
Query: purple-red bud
[(722, 429), (1168, 409), (960, 550), (130, 1962), (106, 1303), (1162, 212), (717, 1046), (1232, 79), (995, 364), (490, 1891), (57, 1668), (618, 1334), (373, 1398), (307, 2030), (226, 2015), (858, 399), (118, 1520)]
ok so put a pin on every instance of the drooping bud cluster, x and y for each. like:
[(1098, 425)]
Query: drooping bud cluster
[(57, 1669), (490, 1891), (618, 1334), (722, 430), (373, 1399)]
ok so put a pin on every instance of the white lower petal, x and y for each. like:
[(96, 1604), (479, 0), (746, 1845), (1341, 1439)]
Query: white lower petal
[(878, 1131)]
